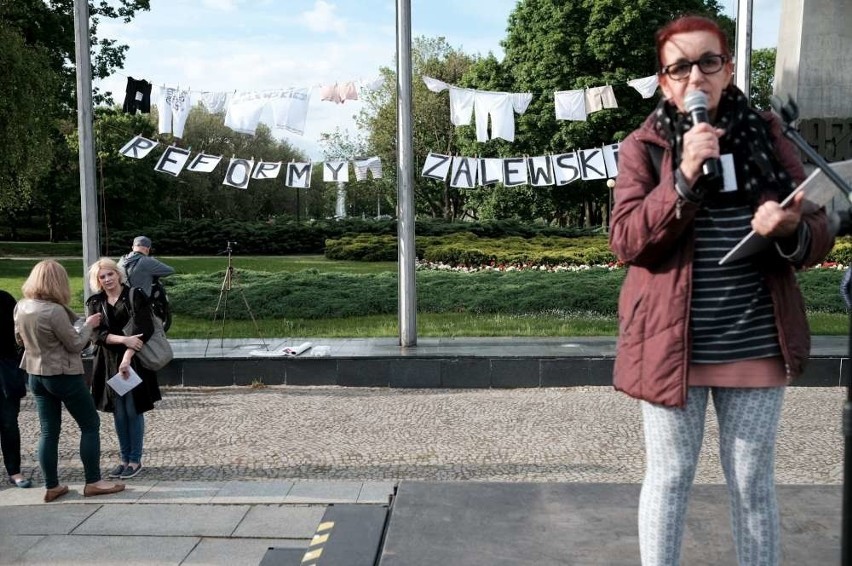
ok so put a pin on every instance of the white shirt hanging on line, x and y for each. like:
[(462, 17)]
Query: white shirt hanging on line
[(173, 107)]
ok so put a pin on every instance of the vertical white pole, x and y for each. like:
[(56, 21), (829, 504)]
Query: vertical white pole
[(405, 179), (88, 196), (742, 70)]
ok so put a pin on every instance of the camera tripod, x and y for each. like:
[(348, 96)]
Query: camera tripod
[(228, 283)]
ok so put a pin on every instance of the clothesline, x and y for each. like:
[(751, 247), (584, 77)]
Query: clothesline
[(647, 92), (366, 83)]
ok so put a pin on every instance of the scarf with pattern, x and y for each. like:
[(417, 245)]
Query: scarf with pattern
[(747, 138)]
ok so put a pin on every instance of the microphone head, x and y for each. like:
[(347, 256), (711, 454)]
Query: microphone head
[(695, 100)]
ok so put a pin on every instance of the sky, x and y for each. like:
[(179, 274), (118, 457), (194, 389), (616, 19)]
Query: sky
[(250, 45)]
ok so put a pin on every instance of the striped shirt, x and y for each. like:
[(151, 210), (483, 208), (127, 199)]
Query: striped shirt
[(732, 313)]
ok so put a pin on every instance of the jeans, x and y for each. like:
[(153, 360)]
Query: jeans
[(130, 428), (50, 393), (10, 434)]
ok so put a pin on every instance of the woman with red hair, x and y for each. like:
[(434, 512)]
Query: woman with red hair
[(690, 326)]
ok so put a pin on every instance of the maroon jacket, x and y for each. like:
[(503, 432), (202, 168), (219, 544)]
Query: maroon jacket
[(652, 232)]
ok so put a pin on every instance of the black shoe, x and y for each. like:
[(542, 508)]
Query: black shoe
[(116, 472), (131, 471)]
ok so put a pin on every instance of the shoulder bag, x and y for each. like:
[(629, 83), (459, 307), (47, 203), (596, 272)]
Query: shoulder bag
[(156, 353)]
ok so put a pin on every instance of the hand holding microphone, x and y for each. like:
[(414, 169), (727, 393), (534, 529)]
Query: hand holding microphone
[(696, 104), (700, 166)]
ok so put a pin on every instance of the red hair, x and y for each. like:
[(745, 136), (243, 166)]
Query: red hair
[(686, 24)]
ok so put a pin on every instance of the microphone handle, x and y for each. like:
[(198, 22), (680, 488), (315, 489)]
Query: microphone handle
[(711, 168)]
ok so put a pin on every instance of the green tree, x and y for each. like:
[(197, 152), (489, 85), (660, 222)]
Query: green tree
[(550, 45), (39, 101), (762, 77), (432, 129), (556, 45), (27, 102), (133, 194)]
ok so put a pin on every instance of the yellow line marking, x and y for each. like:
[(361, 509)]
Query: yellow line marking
[(319, 539), (325, 526), (312, 555)]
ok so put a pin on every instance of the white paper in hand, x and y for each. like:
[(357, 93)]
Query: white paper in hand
[(121, 385)]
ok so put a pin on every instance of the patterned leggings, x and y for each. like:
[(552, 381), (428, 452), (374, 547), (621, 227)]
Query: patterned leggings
[(748, 423)]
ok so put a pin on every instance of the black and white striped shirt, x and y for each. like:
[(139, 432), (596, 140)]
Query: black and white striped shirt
[(732, 312)]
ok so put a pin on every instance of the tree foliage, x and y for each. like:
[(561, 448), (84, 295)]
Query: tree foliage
[(27, 104), (762, 77), (38, 100), (550, 45), (132, 193), (432, 129)]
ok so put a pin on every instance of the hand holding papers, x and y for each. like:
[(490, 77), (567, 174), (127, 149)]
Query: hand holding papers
[(818, 190), (121, 385)]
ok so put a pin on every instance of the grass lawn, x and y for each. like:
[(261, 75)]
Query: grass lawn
[(13, 272)]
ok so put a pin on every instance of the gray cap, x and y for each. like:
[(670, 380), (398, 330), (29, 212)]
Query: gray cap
[(143, 241)]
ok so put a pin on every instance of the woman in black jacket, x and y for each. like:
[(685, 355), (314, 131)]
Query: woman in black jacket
[(115, 354)]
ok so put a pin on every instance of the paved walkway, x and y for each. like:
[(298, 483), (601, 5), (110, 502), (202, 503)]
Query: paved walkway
[(232, 471)]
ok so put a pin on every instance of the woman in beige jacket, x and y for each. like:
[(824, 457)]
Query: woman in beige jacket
[(45, 326)]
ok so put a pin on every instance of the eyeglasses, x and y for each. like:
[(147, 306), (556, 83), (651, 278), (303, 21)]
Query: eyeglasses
[(709, 65)]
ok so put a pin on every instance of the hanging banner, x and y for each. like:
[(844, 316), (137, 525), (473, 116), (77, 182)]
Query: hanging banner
[(541, 171), (266, 170), (335, 172), (490, 171), (138, 147), (238, 173), (436, 166), (464, 173), (566, 168), (298, 175), (172, 160), (611, 159), (203, 163)]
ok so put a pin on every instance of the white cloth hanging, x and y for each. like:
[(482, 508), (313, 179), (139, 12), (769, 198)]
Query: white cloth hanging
[(599, 97), (570, 104), (645, 86)]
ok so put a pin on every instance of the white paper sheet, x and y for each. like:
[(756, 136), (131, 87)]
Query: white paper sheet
[(121, 385)]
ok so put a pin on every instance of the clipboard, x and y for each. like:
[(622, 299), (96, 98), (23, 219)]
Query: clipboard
[(818, 189)]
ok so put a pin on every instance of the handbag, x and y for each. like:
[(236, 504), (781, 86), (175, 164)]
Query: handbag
[(156, 353)]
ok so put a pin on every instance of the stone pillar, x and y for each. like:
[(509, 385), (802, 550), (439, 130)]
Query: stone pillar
[(814, 57)]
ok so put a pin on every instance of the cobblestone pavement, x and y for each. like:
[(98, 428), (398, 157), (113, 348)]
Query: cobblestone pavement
[(581, 434)]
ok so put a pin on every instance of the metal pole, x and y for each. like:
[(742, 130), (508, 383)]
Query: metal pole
[(405, 179), (88, 196), (742, 69)]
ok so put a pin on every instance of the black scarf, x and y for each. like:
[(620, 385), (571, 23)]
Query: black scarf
[(746, 136)]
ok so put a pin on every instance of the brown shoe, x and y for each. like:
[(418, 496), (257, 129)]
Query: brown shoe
[(52, 493), (91, 490)]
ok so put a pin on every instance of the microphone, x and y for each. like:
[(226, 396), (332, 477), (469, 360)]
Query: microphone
[(696, 104)]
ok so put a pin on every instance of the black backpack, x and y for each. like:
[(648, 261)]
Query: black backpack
[(159, 299), (160, 303)]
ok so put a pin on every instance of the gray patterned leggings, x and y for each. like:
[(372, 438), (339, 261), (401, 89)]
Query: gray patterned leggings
[(748, 423)]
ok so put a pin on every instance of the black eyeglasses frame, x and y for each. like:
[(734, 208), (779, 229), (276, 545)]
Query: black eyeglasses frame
[(703, 60)]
